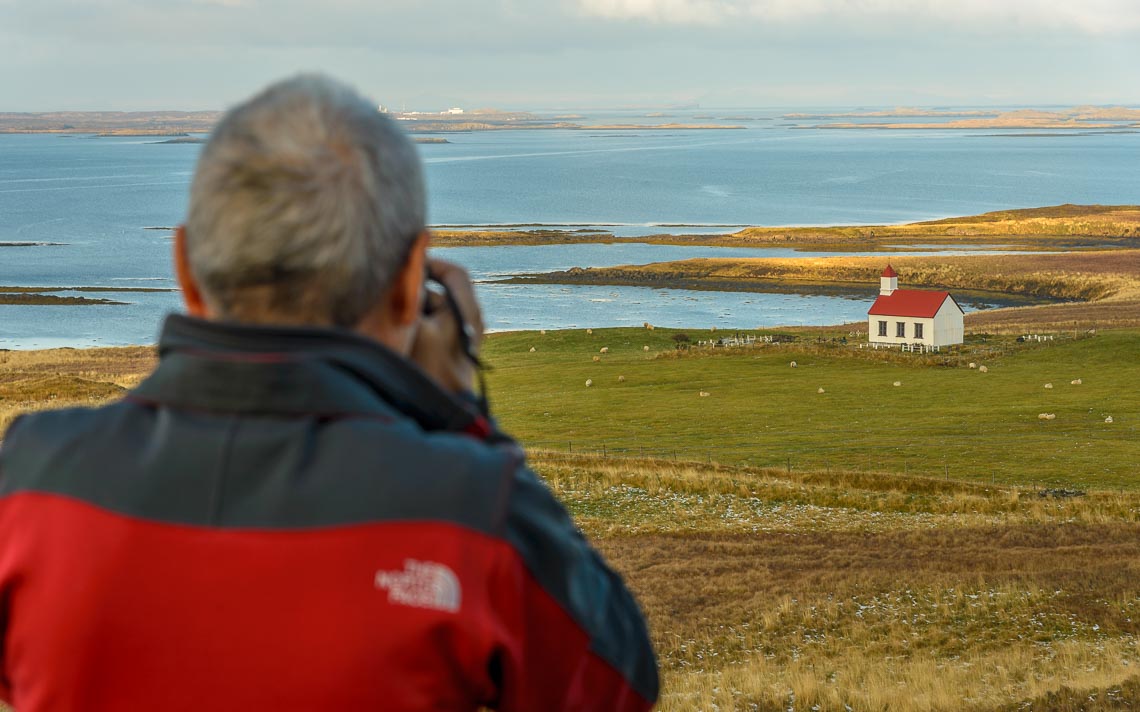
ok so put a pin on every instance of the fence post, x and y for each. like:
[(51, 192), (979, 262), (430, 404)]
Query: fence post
[(571, 443), (603, 451)]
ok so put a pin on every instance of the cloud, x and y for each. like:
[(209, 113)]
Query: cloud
[(1086, 16)]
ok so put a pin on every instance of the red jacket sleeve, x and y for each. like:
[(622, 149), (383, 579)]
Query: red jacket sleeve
[(571, 635)]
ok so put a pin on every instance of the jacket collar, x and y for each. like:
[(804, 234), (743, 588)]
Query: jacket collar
[(218, 366)]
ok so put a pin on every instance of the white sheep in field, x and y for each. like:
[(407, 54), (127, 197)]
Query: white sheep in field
[(792, 364), (1108, 420), (644, 348), (704, 394), (597, 358), (532, 349), (542, 332), (713, 329), (820, 391), (589, 382), (1075, 382), (898, 383), (621, 379), (983, 369), (1046, 416), (1048, 386), (589, 332), (604, 350), (973, 365)]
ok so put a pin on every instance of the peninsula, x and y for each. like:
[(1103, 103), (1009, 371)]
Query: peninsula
[(1056, 227), (1081, 117), (177, 124)]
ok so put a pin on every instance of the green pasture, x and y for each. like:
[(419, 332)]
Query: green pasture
[(944, 419)]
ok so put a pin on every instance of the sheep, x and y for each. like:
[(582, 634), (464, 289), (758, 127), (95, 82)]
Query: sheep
[(898, 383), (1048, 386), (1108, 420), (713, 329), (604, 350), (644, 348), (983, 369), (532, 349), (589, 332), (621, 379), (597, 358), (649, 326), (589, 382), (973, 365), (1050, 416), (820, 391), (704, 394), (542, 332), (1075, 382), (792, 364), (1046, 416)]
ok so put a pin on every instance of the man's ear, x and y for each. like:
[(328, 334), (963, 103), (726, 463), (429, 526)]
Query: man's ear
[(191, 293), (405, 297)]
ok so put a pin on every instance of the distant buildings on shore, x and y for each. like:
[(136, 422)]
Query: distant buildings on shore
[(412, 115)]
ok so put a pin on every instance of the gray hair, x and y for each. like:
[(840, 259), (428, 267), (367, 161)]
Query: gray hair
[(304, 206)]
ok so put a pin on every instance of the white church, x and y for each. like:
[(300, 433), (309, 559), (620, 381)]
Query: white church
[(914, 317)]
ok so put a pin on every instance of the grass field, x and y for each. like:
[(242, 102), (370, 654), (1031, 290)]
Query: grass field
[(872, 547), (943, 419)]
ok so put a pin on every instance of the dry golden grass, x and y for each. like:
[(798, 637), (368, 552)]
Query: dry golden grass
[(813, 591), (1058, 221), (59, 378), (1058, 225)]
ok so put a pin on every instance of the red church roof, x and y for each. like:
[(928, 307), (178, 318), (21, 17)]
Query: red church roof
[(890, 272), (910, 302)]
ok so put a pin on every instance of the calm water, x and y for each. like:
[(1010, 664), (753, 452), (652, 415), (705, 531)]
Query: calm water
[(96, 196)]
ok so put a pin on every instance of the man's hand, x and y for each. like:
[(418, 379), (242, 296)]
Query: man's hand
[(438, 347)]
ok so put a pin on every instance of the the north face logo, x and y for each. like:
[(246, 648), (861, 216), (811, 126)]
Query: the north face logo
[(422, 584)]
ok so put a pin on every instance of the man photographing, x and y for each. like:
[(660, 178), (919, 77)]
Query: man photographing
[(302, 508)]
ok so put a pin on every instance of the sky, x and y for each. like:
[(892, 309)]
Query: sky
[(556, 55)]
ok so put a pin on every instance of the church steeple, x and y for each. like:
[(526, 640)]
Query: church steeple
[(889, 281)]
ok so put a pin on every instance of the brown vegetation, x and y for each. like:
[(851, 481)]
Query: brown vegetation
[(818, 591), (58, 378), (1033, 224)]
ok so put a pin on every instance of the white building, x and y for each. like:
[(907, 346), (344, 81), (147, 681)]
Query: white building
[(913, 316), (454, 110)]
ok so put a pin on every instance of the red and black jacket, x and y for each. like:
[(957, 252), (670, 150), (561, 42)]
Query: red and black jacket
[(297, 519)]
